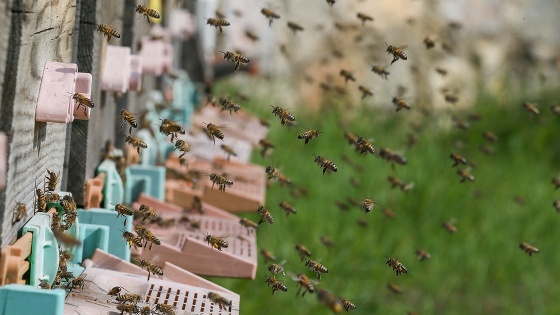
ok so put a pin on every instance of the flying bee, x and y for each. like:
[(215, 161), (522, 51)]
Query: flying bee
[(396, 52), (169, 127), (465, 175), (395, 182), (147, 236), (330, 300), (394, 288), (429, 43), (304, 283), (270, 15), (218, 23), (531, 108), (457, 159), (122, 210), (221, 181), (82, 100), (364, 145), (400, 103), (397, 266), (423, 255), (214, 131), (164, 309), (309, 135), (266, 146), (556, 205), (252, 35), (52, 180), (556, 182), (132, 239), (450, 98), (267, 255), (449, 227), (283, 180), (327, 241), (528, 248), (20, 212), (325, 164), (346, 304), (249, 224), (316, 267), (295, 27), (265, 215), (303, 251), (228, 150), (229, 105), (236, 58), (288, 208), (182, 146), (347, 75), (490, 136), (387, 212), (555, 109), (379, 70), (136, 143), (78, 282), (147, 212), (151, 268), (365, 91), (272, 172), (147, 12), (276, 285), (364, 18), (216, 242), (220, 300), (392, 156), (368, 205), (441, 71), (283, 114), (277, 268), (352, 139), (108, 32)]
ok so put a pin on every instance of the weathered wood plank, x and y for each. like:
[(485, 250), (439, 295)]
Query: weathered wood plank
[(46, 28)]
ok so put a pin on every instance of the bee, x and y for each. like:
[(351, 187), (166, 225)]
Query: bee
[(136, 142), (283, 114), (288, 208), (531, 108), (387, 212), (397, 266), (556, 205), (429, 43), (283, 180), (66, 239), (325, 164), (275, 284), (555, 109), (395, 182), (164, 309), (392, 156), (528, 248), (486, 149), (41, 202), (400, 103), (331, 2), (147, 212), (380, 71), (441, 71), (368, 204), (182, 146), (52, 180), (129, 308), (216, 242), (108, 32), (267, 255), (364, 146), (362, 222), (330, 300), (272, 172), (394, 288), (423, 255), (450, 98), (265, 215), (151, 268), (218, 23), (328, 242), (465, 175), (304, 283), (295, 27), (457, 159), (169, 127), (147, 12), (131, 239), (44, 284), (365, 91), (364, 18), (250, 225), (147, 236), (127, 117), (122, 210), (270, 15), (316, 267), (228, 150), (461, 124), (20, 212), (352, 140), (266, 146), (82, 100), (221, 181), (277, 268), (214, 132), (236, 58), (115, 291), (347, 75), (251, 35), (491, 137), (346, 304), (229, 105), (67, 275), (128, 298), (449, 227), (396, 52), (78, 282), (309, 135), (303, 251), (220, 300), (196, 205)]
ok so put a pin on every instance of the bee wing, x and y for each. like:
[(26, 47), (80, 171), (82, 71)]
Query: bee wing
[(401, 47)]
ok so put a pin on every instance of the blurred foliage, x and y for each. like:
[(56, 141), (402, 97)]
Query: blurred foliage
[(478, 270)]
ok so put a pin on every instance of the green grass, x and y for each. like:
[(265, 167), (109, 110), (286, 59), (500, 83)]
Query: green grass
[(478, 270)]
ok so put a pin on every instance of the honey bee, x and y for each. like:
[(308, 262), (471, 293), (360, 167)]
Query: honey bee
[(364, 18), (379, 70), (531, 108), (78, 282), (365, 91), (218, 23), (66, 275), (283, 180), (229, 105), (429, 43), (457, 159), (397, 266), (309, 135), (265, 215), (556, 205), (214, 131), (147, 12), (325, 164), (362, 222), (169, 127), (272, 172), (486, 149), (270, 15), (44, 284), (41, 202), (115, 291), (400, 103), (129, 308), (304, 283), (394, 288), (20, 212), (387, 212), (220, 300), (131, 239), (465, 175), (82, 100), (327, 241), (266, 146), (221, 181), (347, 76), (396, 52), (147, 236), (182, 146), (250, 225), (275, 284), (364, 146), (395, 182), (555, 109), (316, 267), (228, 150), (368, 205), (461, 124), (108, 32), (216, 242), (236, 58), (52, 180), (449, 227), (66, 239), (288, 208), (122, 210), (295, 27), (151, 268), (423, 255), (331, 2), (267, 255), (164, 309), (441, 71), (128, 298), (450, 98), (303, 251), (136, 142), (251, 35), (283, 114), (147, 212), (528, 248), (491, 137), (330, 300), (346, 304), (392, 156)]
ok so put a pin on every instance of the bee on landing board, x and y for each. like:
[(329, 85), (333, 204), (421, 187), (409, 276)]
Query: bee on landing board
[(223, 303), (396, 52)]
